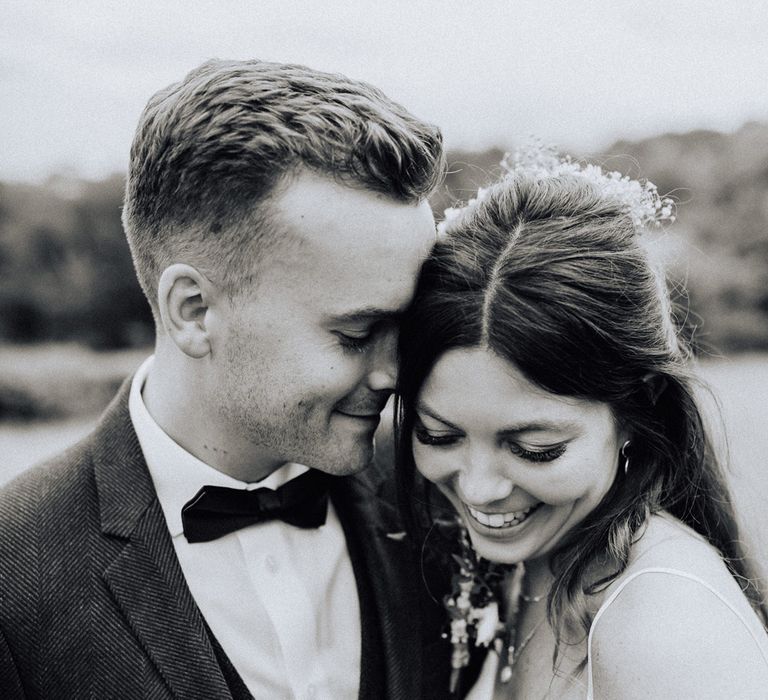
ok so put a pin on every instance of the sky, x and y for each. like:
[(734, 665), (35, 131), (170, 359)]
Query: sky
[(75, 74)]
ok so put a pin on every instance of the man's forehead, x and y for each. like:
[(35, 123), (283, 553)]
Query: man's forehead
[(321, 214)]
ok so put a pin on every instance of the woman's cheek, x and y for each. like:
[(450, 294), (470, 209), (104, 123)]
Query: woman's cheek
[(568, 483), (429, 464)]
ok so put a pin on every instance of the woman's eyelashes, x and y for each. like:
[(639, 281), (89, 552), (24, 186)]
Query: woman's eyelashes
[(434, 439), (544, 454), (547, 453)]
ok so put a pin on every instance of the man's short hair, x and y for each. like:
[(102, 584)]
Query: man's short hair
[(209, 151)]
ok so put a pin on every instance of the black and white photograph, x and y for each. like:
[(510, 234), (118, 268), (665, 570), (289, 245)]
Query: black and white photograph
[(383, 350)]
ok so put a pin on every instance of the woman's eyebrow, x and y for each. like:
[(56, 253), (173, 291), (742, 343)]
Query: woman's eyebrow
[(541, 426), (534, 426), (421, 407)]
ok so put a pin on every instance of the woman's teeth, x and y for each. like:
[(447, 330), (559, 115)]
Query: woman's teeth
[(501, 520)]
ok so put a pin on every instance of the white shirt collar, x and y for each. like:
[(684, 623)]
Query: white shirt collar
[(177, 474)]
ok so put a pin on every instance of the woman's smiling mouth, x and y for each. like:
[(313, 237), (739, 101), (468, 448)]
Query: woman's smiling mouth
[(500, 521)]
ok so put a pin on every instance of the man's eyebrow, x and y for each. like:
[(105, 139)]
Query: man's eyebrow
[(366, 314)]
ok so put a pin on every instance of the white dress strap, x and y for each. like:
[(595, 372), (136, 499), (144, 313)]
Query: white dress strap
[(673, 572)]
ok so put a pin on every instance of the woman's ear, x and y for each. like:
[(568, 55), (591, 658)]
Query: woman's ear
[(655, 385), (184, 297)]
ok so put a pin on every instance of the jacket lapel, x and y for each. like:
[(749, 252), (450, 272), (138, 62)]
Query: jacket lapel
[(145, 577), (384, 566)]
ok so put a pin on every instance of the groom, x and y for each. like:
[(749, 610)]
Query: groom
[(221, 534)]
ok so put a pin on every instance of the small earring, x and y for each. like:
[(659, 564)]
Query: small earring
[(624, 454)]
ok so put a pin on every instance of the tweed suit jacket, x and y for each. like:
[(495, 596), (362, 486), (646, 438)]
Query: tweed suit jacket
[(93, 602)]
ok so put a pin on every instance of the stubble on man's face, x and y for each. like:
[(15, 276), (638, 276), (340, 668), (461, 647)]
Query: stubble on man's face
[(285, 419)]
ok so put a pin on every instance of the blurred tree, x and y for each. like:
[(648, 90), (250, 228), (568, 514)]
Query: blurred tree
[(721, 182), (66, 267), (117, 310)]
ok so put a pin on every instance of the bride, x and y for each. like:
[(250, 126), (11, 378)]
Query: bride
[(545, 390)]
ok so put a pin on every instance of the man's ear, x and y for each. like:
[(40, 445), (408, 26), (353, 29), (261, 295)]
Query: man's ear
[(184, 297)]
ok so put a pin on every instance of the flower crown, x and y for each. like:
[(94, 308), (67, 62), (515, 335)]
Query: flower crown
[(640, 197)]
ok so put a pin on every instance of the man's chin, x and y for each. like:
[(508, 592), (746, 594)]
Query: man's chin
[(350, 461), (353, 467)]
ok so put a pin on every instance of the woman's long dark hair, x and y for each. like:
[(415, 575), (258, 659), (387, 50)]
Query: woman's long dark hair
[(550, 275)]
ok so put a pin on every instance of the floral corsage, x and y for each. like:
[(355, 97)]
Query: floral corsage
[(473, 605)]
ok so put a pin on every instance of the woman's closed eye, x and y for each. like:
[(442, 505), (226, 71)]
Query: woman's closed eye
[(434, 438), (547, 453)]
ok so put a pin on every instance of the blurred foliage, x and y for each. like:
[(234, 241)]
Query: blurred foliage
[(65, 268), (66, 271)]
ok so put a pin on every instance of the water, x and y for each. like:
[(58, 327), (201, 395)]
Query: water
[(24, 444), (742, 388)]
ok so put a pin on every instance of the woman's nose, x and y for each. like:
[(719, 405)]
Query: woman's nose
[(482, 482)]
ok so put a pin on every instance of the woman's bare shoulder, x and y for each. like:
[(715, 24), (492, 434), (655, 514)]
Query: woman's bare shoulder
[(667, 543), (667, 633)]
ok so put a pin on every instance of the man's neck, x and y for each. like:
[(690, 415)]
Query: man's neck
[(174, 402)]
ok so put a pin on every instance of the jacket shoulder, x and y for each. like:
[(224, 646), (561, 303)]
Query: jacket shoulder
[(47, 490), (49, 517), (59, 492)]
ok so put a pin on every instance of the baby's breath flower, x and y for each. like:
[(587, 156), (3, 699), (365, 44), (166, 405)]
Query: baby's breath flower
[(640, 197), (487, 624)]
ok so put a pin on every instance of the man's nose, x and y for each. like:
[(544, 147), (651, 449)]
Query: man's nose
[(482, 479), (382, 372)]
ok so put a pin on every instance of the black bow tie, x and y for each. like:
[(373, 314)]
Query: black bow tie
[(216, 511)]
